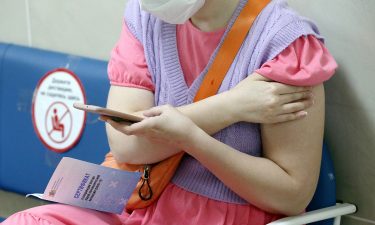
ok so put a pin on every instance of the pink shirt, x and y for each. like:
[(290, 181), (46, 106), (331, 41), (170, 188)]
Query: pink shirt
[(305, 62)]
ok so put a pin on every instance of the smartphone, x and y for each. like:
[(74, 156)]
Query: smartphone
[(114, 115)]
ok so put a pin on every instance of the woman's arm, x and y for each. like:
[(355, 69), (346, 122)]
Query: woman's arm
[(211, 115), (139, 150), (264, 102), (283, 181)]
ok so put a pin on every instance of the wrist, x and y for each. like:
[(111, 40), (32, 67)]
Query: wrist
[(229, 108), (195, 140)]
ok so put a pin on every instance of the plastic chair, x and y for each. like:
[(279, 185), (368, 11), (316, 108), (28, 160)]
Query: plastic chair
[(323, 209)]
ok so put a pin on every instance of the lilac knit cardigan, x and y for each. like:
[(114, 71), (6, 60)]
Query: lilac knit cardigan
[(274, 29)]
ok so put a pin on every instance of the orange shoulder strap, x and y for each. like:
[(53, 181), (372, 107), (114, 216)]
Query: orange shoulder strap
[(229, 49)]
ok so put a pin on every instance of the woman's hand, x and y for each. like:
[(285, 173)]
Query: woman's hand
[(163, 124), (259, 100)]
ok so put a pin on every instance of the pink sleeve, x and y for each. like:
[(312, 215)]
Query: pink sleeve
[(306, 62), (127, 66)]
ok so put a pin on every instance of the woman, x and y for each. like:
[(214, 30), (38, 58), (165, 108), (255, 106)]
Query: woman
[(246, 173)]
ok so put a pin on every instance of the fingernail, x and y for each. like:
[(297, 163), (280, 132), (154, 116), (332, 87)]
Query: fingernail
[(302, 113)]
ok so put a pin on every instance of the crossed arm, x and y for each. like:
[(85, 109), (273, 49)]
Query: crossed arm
[(283, 181), (140, 150), (254, 99)]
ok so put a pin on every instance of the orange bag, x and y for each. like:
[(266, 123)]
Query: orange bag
[(147, 190), (157, 176)]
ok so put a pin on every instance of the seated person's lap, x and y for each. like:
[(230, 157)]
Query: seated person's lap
[(58, 214)]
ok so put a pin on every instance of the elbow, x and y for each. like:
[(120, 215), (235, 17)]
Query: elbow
[(118, 154), (293, 208), (121, 156), (301, 197), (124, 148), (293, 203), (122, 152)]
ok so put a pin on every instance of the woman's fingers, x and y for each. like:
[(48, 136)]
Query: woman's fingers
[(156, 111), (296, 106), (149, 124), (131, 129), (290, 117), (288, 89), (287, 98), (136, 128), (122, 127)]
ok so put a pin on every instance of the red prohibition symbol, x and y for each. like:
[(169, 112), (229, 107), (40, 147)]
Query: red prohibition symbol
[(58, 122), (55, 122)]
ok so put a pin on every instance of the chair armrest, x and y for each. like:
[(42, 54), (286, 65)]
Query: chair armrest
[(317, 215)]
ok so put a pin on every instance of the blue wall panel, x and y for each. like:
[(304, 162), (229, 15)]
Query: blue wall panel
[(25, 163)]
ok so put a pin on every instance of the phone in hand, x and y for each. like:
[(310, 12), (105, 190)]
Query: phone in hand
[(113, 114)]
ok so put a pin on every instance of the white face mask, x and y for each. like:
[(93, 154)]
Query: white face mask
[(172, 11)]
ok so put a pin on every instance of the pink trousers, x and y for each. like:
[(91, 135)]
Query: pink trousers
[(175, 206)]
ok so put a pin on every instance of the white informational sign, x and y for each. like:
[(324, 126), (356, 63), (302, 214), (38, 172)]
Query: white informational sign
[(58, 125)]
